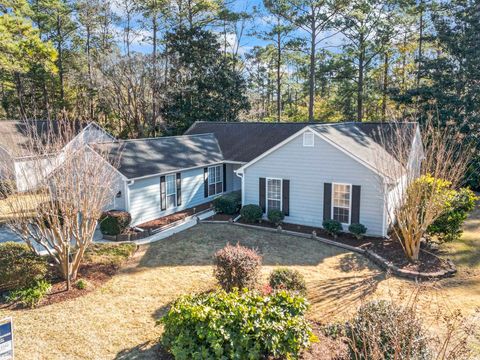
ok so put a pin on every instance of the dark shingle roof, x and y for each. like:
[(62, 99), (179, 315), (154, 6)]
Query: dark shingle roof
[(145, 157), (15, 136), (244, 141)]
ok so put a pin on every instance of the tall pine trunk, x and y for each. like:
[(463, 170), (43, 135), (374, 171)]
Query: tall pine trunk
[(361, 60), (311, 80)]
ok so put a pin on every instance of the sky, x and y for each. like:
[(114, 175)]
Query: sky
[(248, 40)]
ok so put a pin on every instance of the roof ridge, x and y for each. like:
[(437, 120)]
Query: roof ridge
[(154, 138)]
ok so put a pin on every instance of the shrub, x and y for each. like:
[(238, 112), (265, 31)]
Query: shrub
[(251, 213), (333, 227), (448, 226), (228, 204), (237, 325), (114, 222), (237, 267), (383, 330), (275, 216), (20, 267), (30, 296), (81, 284), (358, 230), (288, 279)]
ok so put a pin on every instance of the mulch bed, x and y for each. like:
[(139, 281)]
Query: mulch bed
[(343, 238), (222, 217), (392, 251), (166, 220), (389, 249)]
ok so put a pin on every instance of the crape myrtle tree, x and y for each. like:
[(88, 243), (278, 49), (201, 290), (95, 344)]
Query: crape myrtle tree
[(423, 177), (71, 186)]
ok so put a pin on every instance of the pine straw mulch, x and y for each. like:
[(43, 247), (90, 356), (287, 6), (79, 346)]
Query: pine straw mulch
[(166, 220), (102, 262)]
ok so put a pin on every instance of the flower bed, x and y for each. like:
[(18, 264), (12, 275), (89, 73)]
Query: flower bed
[(170, 219)]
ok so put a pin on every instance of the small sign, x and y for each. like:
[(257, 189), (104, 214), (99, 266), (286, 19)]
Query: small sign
[(6, 339)]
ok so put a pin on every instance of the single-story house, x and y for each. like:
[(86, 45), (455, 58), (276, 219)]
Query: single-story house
[(17, 162), (311, 172)]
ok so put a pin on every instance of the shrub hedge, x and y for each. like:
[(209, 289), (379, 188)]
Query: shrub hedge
[(237, 267), (228, 204), (237, 325), (384, 330), (275, 216), (20, 267), (114, 222), (358, 230), (288, 279), (333, 227), (251, 213), (31, 295), (448, 226)]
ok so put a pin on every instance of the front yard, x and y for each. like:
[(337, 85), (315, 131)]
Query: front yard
[(118, 319)]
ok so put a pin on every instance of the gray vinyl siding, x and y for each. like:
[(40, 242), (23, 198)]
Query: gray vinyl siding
[(234, 183), (308, 168)]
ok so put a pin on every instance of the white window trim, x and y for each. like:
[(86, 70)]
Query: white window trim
[(174, 192), (305, 136), (266, 193), (218, 182), (349, 201)]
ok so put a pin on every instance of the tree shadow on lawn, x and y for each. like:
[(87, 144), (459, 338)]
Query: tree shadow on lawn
[(196, 246), (147, 350), (336, 295)]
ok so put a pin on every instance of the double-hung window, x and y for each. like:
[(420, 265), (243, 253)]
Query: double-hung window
[(215, 180), (274, 194), (171, 191), (341, 203)]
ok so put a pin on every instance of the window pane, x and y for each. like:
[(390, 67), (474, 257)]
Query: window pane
[(341, 196), (218, 188), (341, 214), (211, 189), (211, 175), (171, 201), (171, 186), (273, 205)]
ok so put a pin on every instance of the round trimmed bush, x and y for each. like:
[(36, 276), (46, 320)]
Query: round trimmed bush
[(114, 222), (251, 213), (333, 227), (228, 204), (275, 216), (358, 230), (237, 267), (288, 279), (20, 267), (237, 325), (384, 330)]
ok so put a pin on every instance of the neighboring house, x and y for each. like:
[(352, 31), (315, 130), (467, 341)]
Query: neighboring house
[(20, 165)]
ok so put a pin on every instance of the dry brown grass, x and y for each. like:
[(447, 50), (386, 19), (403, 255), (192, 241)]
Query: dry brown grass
[(117, 321), (31, 202)]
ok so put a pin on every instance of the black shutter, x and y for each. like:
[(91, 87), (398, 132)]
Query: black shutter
[(327, 201), (286, 197), (224, 177), (163, 194), (355, 218), (179, 189), (261, 193), (205, 182)]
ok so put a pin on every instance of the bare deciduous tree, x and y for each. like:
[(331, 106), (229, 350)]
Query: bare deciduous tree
[(62, 189), (431, 159)]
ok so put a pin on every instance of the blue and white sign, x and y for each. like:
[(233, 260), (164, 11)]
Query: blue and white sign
[(6, 339)]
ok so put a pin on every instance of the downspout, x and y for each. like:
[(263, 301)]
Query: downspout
[(241, 176)]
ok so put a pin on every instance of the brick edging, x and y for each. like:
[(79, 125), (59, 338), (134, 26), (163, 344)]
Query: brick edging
[(370, 255)]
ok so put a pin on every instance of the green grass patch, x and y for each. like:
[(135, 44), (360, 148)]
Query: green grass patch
[(109, 254)]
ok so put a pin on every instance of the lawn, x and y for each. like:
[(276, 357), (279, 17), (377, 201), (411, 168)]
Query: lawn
[(29, 203), (117, 321)]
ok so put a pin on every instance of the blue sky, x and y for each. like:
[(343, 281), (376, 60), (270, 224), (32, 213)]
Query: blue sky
[(261, 22)]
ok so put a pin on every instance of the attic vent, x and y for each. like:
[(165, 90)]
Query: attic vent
[(308, 139)]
